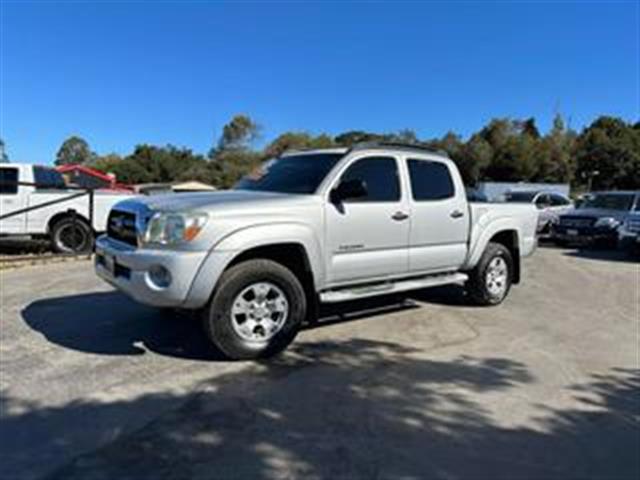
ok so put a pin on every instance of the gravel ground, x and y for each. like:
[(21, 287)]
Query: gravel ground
[(546, 385)]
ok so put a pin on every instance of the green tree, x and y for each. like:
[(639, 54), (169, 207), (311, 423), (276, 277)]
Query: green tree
[(233, 157), (350, 138), (477, 155), (74, 150), (554, 154), (238, 134), (608, 151), (297, 141), (107, 163), (4, 158), (152, 164)]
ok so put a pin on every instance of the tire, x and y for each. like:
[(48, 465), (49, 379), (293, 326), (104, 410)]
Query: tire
[(481, 287), (67, 238), (257, 336)]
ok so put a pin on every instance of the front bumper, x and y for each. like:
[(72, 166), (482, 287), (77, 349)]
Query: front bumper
[(584, 235), (128, 269), (629, 240)]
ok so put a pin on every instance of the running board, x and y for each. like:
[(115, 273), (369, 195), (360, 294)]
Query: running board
[(344, 294)]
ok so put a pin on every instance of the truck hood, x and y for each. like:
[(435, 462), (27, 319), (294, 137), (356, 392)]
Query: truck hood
[(212, 201), (595, 213)]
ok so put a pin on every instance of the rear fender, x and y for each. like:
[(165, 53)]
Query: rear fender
[(482, 235)]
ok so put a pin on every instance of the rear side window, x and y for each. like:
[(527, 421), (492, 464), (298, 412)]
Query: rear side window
[(380, 175), (430, 180), (46, 178), (543, 201), (8, 181)]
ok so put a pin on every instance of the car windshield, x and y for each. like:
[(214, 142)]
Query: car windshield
[(290, 174), (609, 201), (520, 197)]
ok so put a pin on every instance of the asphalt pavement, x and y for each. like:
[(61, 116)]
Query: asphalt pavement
[(546, 385)]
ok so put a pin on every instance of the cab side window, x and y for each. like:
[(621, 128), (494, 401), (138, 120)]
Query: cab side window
[(380, 177), (8, 181), (430, 180)]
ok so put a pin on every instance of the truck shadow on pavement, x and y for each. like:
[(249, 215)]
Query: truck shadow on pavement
[(109, 323), (347, 409)]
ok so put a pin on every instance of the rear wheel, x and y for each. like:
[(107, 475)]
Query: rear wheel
[(69, 236), (256, 311), (490, 282)]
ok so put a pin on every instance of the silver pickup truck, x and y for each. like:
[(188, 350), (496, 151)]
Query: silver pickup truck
[(310, 227)]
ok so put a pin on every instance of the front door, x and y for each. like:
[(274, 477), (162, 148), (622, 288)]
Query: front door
[(10, 201), (367, 237)]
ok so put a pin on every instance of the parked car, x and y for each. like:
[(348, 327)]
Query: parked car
[(549, 204), (629, 232), (55, 220), (597, 220), (320, 226)]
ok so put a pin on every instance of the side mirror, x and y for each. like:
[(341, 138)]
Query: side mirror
[(349, 189)]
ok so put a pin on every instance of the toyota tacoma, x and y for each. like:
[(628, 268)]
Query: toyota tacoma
[(310, 227)]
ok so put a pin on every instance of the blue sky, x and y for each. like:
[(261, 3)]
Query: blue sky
[(123, 73)]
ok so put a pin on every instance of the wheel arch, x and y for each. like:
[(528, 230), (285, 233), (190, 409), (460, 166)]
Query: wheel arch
[(67, 214), (509, 239), (503, 233), (292, 245)]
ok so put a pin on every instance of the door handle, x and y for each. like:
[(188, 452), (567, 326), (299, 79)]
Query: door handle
[(457, 214), (399, 216)]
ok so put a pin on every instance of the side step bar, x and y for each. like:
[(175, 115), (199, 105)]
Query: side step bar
[(353, 293)]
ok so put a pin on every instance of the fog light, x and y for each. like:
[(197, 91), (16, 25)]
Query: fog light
[(160, 276)]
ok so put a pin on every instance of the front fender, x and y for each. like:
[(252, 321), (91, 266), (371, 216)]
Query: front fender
[(246, 238)]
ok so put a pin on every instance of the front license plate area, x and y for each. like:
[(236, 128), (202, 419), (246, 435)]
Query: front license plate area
[(110, 263), (572, 231)]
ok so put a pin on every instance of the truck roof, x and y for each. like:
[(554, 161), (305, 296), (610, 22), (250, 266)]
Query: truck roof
[(386, 146)]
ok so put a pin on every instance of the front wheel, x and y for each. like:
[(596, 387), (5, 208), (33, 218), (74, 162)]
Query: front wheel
[(490, 282), (256, 310)]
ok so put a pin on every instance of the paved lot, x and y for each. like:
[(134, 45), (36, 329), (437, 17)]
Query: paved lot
[(545, 386)]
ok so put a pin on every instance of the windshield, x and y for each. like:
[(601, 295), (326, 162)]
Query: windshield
[(290, 174), (609, 201), (520, 197)]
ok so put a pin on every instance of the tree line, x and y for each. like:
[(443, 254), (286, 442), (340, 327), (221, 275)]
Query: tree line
[(605, 154)]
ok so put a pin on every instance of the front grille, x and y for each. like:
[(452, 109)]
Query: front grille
[(634, 226), (576, 222), (121, 226)]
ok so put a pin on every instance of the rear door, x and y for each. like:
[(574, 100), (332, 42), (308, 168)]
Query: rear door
[(439, 217), (368, 237), (11, 200)]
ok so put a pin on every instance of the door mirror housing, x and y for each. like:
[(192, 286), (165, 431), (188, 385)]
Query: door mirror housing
[(348, 189)]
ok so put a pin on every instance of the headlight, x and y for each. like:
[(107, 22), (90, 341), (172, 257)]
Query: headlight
[(607, 222), (173, 228)]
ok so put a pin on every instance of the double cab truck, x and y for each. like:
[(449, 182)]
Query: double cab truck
[(36, 203), (309, 227)]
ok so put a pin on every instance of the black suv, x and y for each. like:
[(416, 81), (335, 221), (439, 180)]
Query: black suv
[(596, 220)]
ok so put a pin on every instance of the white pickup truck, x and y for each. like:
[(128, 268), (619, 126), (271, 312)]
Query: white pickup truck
[(24, 187), (310, 227)]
